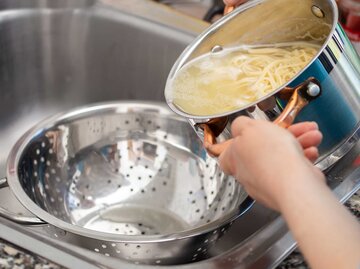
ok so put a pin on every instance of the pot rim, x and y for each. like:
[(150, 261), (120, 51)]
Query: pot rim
[(17, 189), (179, 63)]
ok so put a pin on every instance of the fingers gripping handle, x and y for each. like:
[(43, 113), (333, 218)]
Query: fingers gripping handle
[(302, 95)]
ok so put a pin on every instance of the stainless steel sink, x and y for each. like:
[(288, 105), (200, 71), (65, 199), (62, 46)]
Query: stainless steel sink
[(56, 55)]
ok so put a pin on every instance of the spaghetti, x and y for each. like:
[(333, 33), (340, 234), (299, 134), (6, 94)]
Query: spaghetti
[(217, 83)]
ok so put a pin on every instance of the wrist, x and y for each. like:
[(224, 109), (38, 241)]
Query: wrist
[(299, 184)]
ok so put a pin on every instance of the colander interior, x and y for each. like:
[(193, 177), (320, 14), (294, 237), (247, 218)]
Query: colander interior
[(130, 172)]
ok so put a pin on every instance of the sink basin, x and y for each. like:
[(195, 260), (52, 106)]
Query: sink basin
[(57, 55), (54, 58)]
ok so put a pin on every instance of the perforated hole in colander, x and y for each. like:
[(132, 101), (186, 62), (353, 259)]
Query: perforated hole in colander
[(127, 174)]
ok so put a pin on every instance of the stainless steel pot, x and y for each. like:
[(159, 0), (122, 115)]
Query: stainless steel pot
[(126, 179), (335, 70)]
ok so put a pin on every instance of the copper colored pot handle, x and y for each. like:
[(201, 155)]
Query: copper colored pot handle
[(228, 9), (302, 95)]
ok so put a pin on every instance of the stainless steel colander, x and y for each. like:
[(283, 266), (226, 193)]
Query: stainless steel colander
[(125, 179)]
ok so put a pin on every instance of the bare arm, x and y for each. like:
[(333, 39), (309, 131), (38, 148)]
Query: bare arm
[(274, 169), (327, 234)]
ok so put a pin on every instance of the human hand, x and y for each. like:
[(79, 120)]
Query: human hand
[(309, 137), (269, 160)]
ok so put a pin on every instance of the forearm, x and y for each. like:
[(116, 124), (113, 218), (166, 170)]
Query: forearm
[(329, 238)]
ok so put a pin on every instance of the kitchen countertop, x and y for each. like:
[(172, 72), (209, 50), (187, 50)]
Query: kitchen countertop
[(15, 258)]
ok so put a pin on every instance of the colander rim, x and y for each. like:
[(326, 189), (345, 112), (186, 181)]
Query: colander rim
[(15, 186)]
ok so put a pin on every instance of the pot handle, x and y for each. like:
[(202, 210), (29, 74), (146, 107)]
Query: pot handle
[(228, 9), (16, 217), (302, 95)]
